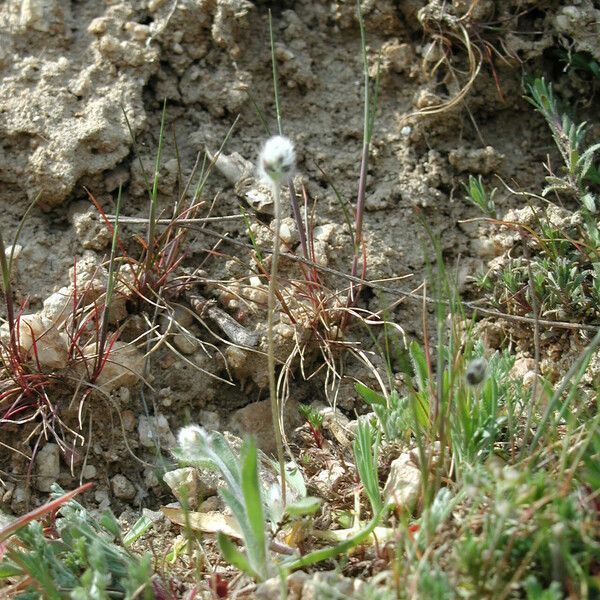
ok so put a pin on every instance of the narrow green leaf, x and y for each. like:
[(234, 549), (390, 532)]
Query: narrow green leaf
[(140, 527), (333, 551), (365, 454), (238, 510), (9, 570), (256, 545), (233, 556), (419, 363), (305, 506), (370, 396)]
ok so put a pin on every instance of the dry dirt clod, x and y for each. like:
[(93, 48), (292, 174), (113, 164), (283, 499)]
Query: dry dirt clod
[(47, 466), (255, 419), (122, 488), (478, 160), (124, 366), (89, 227), (89, 472), (328, 479)]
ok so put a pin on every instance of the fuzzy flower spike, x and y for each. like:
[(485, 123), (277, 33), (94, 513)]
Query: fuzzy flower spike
[(277, 160)]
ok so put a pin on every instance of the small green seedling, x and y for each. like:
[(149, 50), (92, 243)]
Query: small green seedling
[(478, 195)]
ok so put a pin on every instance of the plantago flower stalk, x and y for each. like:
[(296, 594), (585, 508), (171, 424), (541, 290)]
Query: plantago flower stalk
[(276, 166)]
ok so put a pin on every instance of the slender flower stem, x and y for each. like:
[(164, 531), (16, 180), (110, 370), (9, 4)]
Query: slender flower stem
[(275, 408)]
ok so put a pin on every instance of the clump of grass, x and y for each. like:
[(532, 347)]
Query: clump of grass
[(259, 510), (73, 555), (478, 195), (37, 362), (557, 278), (151, 275), (528, 511)]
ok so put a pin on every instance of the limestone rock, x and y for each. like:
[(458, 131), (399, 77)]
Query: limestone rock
[(40, 341), (403, 484)]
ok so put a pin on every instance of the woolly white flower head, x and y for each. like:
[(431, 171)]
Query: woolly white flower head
[(277, 159), (189, 438)]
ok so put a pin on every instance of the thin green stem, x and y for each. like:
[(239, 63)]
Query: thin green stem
[(151, 236), (293, 198), (274, 66), (275, 412)]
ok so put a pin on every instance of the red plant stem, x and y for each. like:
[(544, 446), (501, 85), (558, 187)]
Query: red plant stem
[(298, 219), (35, 514), (359, 248), (314, 275), (317, 435), (10, 311)]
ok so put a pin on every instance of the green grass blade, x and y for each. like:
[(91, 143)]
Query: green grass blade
[(305, 506), (140, 527), (333, 551), (369, 396), (275, 83), (365, 448), (256, 545)]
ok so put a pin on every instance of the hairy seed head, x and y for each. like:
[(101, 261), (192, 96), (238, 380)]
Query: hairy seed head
[(189, 438), (476, 371), (277, 159)]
